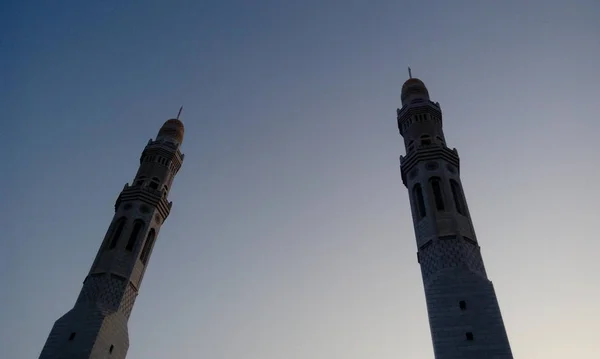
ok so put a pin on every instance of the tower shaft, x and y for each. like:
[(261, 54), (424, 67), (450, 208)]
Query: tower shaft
[(96, 326), (464, 315)]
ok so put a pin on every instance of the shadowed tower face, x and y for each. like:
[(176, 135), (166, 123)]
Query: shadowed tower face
[(96, 327), (464, 315)]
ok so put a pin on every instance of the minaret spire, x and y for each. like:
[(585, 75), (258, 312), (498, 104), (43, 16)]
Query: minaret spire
[(179, 113), (409, 73)]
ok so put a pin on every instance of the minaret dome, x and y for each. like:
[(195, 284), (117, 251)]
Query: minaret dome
[(413, 89), (172, 129)]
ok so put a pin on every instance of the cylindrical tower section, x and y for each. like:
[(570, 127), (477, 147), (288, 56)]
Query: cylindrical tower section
[(96, 327), (464, 314)]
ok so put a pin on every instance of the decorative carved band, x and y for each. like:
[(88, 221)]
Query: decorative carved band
[(147, 195), (427, 153)]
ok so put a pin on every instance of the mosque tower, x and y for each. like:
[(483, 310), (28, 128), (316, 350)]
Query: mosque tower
[(96, 327), (464, 315)]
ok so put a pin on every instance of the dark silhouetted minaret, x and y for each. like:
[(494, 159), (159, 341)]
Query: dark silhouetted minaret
[(96, 327), (464, 316)]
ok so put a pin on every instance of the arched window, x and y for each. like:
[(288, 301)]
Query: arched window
[(459, 201), (436, 188), (419, 202), (135, 233), (148, 246), (140, 181), (119, 225), (425, 140), (154, 183)]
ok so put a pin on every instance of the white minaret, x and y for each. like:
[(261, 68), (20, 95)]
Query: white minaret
[(464, 316), (96, 327)]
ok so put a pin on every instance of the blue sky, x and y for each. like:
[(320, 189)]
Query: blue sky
[(290, 234)]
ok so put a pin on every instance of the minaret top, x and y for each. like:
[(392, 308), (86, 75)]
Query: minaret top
[(413, 89), (172, 129)]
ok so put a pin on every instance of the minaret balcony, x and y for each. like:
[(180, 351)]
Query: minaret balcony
[(410, 114), (427, 153), (417, 104), (166, 150), (153, 197)]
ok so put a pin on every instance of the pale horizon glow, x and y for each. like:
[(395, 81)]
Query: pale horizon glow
[(291, 234)]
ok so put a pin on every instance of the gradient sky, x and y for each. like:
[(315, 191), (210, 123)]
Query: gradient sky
[(291, 234)]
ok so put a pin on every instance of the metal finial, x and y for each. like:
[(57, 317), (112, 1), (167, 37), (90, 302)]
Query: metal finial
[(409, 73), (179, 113)]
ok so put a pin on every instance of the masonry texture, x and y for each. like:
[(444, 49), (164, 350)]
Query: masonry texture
[(464, 315), (96, 327)]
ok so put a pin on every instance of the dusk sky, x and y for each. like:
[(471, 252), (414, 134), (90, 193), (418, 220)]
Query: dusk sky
[(291, 233)]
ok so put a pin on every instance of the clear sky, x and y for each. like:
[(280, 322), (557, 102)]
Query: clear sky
[(291, 234)]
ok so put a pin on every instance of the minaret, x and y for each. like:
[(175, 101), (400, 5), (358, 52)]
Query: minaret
[(464, 316), (96, 327)]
